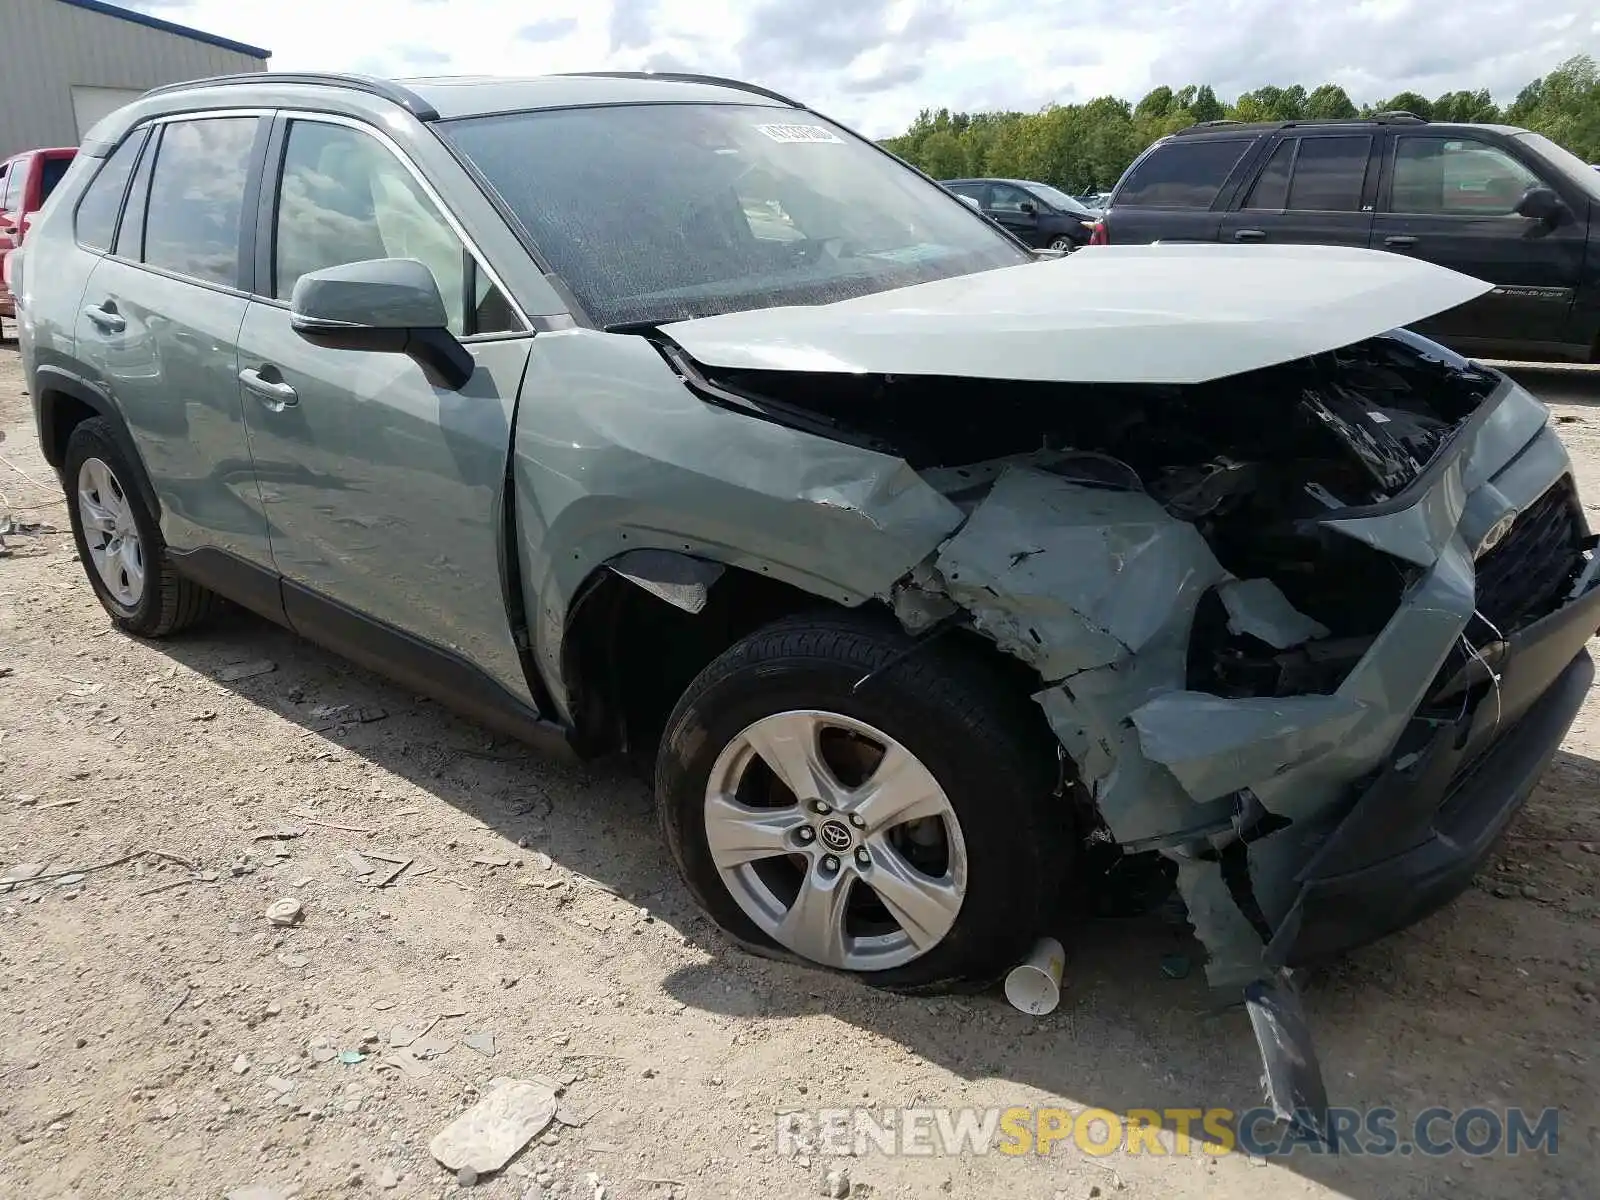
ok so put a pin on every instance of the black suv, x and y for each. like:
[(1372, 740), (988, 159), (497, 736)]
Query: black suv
[(1505, 205), (1036, 213)]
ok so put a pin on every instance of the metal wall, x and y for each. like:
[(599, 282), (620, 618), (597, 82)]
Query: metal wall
[(48, 47)]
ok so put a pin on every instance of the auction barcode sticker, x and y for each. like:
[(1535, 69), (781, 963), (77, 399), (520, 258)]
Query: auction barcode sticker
[(799, 133)]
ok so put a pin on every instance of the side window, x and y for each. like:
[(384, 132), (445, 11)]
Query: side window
[(1456, 177), (343, 198), (1182, 173), (51, 171), (1329, 173), (1005, 198), (1271, 188), (130, 231), (16, 181), (96, 218), (197, 197)]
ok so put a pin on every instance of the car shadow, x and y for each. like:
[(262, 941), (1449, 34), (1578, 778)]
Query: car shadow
[(1433, 1016)]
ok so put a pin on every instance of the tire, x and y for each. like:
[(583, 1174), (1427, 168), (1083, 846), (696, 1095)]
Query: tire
[(163, 602), (1063, 243), (955, 713)]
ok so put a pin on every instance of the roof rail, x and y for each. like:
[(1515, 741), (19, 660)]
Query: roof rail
[(1210, 124), (1398, 116), (387, 89), (737, 85)]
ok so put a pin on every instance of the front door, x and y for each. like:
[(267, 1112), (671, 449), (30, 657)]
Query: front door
[(1452, 200), (1017, 210), (383, 492), (159, 323), (1312, 190)]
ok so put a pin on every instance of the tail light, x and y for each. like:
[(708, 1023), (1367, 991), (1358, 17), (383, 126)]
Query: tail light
[(1098, 235)]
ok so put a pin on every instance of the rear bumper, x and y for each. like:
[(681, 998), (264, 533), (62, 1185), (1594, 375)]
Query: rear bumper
[(1419, 832)]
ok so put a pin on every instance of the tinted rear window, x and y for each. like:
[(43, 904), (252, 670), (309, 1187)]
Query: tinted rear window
[(1182, 173), (54, 169), (1328, 174)]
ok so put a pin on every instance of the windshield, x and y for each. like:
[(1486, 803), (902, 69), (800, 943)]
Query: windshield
[(654, 213), (1580, 172), (1059, 199)]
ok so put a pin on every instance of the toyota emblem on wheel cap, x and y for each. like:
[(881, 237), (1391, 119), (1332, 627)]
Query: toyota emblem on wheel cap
[(836, 835)]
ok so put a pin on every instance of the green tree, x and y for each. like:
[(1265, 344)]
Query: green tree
[(941, 155), (1409, 102), (1475, 107), (1330, 102), (1206, 106)]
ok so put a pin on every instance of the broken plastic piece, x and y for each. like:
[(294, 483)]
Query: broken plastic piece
[(676, 578), (1256, 607), (1291, 1074)]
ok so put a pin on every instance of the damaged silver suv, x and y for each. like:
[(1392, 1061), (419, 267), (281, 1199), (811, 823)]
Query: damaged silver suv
[(661, 414)]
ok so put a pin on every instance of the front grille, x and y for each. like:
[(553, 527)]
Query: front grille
[(1525, 576)]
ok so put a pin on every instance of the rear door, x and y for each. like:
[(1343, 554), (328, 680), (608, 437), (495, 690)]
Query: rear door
[(1451, 199), (159, 321), (1314, 188), (1174, 191)]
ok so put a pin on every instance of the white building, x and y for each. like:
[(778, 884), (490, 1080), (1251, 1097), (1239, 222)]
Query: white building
[(64, 64)]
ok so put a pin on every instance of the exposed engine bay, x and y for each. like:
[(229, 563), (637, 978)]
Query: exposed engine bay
[(1250, 461)]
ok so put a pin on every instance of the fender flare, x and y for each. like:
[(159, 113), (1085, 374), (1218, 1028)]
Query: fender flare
[(52, 383)]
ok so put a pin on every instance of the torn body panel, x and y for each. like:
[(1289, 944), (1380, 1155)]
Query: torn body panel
[(1102, 588)]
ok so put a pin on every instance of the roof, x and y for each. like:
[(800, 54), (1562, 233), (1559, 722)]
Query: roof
[(149, 22), (1227, 129)]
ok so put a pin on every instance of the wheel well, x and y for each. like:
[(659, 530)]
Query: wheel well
[(63, 413), (629, 655)]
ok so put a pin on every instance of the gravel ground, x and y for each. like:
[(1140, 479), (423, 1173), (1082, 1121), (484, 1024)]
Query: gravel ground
[(160, 1037)]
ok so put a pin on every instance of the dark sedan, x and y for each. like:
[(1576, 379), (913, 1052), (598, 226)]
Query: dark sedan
[(1036, 213)]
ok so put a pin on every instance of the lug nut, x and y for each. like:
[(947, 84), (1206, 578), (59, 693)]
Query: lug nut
[(858, 820), (863, 859), (830, 863), (806, 833), (820, 808)]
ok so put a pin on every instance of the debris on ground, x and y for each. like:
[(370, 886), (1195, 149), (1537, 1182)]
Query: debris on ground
[(836, 1184), (285, 912), (247, 670), (484, 1138), (483, 1043)]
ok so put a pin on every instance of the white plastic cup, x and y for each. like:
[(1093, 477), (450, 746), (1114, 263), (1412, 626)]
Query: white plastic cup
[(1034, 984)]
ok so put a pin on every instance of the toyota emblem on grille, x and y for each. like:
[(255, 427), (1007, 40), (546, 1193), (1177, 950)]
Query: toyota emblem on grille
[(1496, 533)]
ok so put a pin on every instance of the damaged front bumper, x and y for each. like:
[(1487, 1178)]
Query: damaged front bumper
[(1300, 825)]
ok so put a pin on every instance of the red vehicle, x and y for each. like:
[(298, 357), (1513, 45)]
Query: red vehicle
[(26, 181)]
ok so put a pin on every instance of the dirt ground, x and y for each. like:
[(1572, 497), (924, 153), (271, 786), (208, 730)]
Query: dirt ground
[(160, 1038)]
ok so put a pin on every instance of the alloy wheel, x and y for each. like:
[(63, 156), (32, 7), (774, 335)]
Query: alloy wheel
[(835, 840), (110, 533)]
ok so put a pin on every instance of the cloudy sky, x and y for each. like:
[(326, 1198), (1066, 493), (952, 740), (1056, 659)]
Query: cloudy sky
[(874, 63)]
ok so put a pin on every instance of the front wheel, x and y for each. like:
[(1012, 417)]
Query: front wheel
[(1063, 243), (905, 831)]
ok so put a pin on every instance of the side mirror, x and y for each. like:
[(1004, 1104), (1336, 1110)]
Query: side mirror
[(1028, 207), (383, 305), (1542, 204), (970, 201)]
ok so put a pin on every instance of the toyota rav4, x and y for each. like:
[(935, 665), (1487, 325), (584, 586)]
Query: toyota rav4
[(664, 415)]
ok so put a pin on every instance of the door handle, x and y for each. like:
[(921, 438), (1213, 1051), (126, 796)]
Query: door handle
[(1400, 241), (274, 393), (106, 317), (1249, 235)]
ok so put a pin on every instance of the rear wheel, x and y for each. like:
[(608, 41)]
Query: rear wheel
[(1063, 242), (904, 831), (119, 541)]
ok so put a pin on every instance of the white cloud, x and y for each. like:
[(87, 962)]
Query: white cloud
[(874, 63)]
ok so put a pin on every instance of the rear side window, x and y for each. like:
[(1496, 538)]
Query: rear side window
[(50, 175), (1329, 173), (96, 218), (197, 198), (1182, 173), (130, 232)]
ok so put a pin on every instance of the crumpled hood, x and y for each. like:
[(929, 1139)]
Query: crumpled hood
[(1182, 313)]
